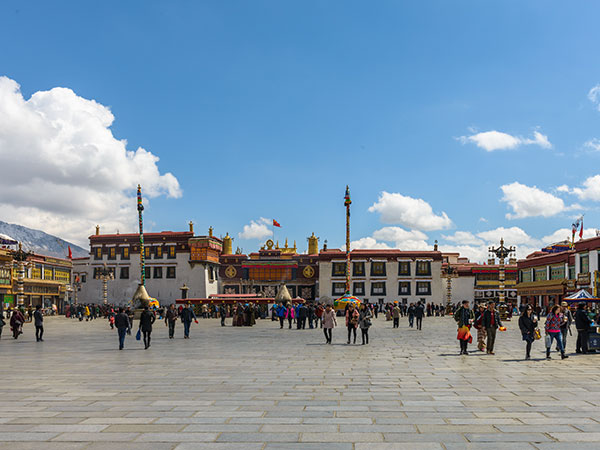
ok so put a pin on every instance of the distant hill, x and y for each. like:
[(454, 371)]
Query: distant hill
[(40, 242)]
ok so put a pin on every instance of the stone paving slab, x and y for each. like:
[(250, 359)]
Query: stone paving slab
[(225, 388)]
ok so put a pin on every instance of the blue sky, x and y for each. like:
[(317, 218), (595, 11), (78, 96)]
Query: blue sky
[(267, 109)]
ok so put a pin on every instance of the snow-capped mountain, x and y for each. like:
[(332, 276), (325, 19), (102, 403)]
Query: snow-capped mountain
[(40, 242)]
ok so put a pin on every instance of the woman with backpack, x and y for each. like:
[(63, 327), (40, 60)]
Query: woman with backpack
[(352, 317), (364, 321)]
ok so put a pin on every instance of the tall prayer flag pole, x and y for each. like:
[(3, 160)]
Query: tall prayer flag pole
[(140, 208), (347, 203)]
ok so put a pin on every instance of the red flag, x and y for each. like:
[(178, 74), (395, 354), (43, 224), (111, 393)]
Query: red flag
[(70, 253), (276, 224), (581, 230)]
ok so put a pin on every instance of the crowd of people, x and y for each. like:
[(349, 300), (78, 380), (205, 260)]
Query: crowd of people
[(486, 320)]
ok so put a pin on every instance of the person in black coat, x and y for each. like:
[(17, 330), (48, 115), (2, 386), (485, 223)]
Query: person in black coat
[(491, 322), (582, 323), (38, 318), (122, 325), (419, 313), (146, 320), (527, 325)]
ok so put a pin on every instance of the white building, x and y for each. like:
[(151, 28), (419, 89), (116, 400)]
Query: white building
[(173, 260), (382, 276)]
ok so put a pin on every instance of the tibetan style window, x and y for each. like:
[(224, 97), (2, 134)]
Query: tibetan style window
[(378, 269), (557, 272), (404, 268), (112, 253), (584, 263), (338, 288), (358, 288), (124, 252), (338, 269), (423, 288), (147, 272), (147, 252), (157, 272), (83, 278), (211, 274), (124, 275), (378, 288), (98, 253), (172, 253), (158, 252), (171, 272), (423, 268), (525, 276), (358, 269), (540, 274), (571, 272), (404, 288)]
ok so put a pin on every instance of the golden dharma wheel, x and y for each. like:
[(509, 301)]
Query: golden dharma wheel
[(308, 272), (230, 272)]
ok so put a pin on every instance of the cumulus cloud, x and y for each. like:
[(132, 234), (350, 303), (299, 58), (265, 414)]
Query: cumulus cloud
[(511, 236), (414, 213), (527, 201), (257, 229), (64, 171), (367, 243), (590, 189), (594, 96), (497, 140), (463, 237)]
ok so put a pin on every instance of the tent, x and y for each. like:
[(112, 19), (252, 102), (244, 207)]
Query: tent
[(340, 303), (580, 296)]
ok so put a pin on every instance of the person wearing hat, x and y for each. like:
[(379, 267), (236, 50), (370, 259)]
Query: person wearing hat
[(565, 327), (582, 323)]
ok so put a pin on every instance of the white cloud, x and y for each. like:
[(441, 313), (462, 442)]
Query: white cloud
[(563, 188), (511, 236), (594, 96), (483, 219), (414, 213), (527, 201), (593, 143), (497, 140), (64, 171), (367, 243), (463, 237), (257, 229), (566, 234), (590, 189)]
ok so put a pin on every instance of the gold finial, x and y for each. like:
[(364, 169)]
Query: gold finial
[(210, 231), (313, 245), (435, 246), (286, 243), (97, 230), (191, 226)]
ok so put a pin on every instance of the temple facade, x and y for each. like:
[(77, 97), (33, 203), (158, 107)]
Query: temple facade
[(264, 271)]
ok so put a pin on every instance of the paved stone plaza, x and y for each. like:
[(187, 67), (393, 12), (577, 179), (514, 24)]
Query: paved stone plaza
[(262, 387)]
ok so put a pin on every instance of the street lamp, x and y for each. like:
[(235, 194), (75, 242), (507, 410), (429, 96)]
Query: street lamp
[(21, 257), (449, 271), (501, 253), (105, 274)]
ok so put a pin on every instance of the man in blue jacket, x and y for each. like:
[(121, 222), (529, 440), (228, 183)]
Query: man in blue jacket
[(187, 315)]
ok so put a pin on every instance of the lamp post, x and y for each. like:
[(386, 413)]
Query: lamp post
[(501, 253), (21, 257), (449, 271), (105, 274)]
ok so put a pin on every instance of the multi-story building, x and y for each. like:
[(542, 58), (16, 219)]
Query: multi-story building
[(382, 276), (546, 276), (264, 271), (46, 283), (177, 264)]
